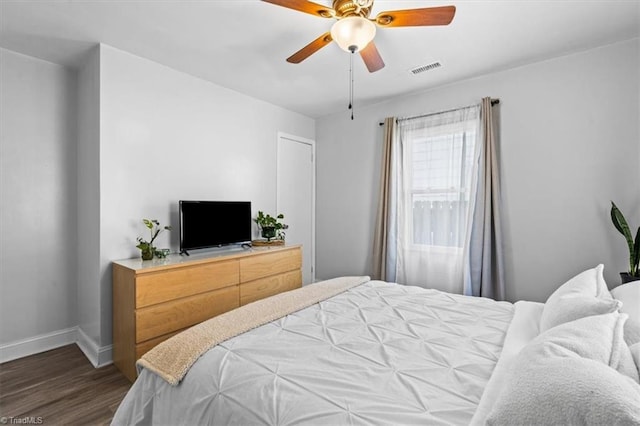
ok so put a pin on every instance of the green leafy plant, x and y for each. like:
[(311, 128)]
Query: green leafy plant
[(634, 246), (271, 226), (146, 247)]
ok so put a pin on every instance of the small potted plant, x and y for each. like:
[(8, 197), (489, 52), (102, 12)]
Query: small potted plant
[(634, 246), (146, 247), (271, 227)]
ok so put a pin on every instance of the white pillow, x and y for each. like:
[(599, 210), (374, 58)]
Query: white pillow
[(596, 337), (568, 375), (583, 295), (629, 295), (575, 391)]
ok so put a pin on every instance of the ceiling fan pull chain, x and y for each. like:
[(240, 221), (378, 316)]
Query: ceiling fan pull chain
[(353, 51)]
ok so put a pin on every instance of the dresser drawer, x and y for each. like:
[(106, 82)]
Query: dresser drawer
[(154, 321), (267, 264), (158, 287), (265, 287)]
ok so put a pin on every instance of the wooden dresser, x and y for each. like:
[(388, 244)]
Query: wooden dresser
[(154, 300)]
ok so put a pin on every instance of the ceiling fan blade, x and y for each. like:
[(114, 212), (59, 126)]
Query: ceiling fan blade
[(416, 17), (372, 58), (306, 7), (310, 48)]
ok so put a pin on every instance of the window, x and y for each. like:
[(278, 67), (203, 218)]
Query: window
[(440, 185), (434, 161)]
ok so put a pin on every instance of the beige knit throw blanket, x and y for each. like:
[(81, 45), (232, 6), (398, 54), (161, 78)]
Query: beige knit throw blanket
[(173, 358)]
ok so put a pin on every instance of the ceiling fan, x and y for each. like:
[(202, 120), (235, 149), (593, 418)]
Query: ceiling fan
[(354, 30)]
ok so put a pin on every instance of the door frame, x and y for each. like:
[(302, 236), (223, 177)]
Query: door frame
[(312, 143)]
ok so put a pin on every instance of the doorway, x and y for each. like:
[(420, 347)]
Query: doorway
[(295, 196)]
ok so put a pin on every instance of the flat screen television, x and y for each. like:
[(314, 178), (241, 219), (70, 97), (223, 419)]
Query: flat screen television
[(205, 224)]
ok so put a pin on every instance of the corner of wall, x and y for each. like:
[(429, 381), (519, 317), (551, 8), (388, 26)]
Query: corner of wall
[(88, 198), (99, 356)]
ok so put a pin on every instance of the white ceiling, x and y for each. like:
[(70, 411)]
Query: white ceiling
[(243, 44)]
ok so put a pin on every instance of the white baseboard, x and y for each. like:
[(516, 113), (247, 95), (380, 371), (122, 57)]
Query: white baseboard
[(37, 344), (98, 356)]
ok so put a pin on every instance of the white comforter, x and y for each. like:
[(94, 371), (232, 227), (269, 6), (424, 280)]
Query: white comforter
[(379, 353)]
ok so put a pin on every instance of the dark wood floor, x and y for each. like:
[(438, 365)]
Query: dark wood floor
[(60, 387)]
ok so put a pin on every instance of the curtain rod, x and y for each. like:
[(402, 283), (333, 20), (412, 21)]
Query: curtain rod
[(493, 102)]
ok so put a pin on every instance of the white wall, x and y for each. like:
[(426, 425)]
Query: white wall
[(88, 206), (570, 141), (167, 136), (37, 209)]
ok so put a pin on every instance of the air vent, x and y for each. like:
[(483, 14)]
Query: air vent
[(427, 67)]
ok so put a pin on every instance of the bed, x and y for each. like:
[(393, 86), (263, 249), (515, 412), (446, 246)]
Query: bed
[(357, 351)]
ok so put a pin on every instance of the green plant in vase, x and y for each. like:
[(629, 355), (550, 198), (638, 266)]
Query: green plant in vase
[(147, 249), (271, 227), (634, 246)]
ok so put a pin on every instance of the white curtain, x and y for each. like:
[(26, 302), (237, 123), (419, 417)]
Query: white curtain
[(434, 160)]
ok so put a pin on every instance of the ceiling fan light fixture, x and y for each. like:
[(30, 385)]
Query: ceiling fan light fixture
[(353, 33)]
